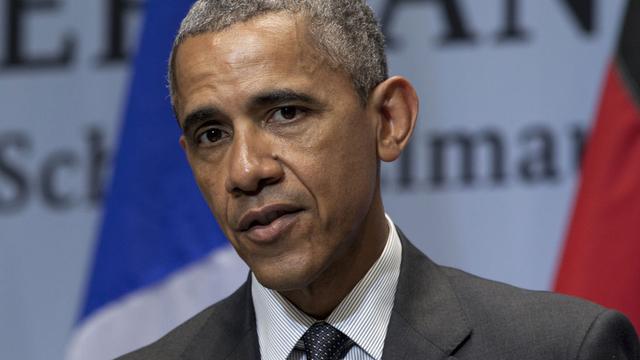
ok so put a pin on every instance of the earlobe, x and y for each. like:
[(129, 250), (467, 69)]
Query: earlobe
[(395, 103)]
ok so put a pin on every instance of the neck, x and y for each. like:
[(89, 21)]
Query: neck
[(325, 293)]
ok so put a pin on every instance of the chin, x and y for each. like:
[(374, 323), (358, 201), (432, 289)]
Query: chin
[(284, 278)]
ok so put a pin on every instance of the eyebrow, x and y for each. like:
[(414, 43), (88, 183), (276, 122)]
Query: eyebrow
[(199, 116), (267, 98), (280, 96)]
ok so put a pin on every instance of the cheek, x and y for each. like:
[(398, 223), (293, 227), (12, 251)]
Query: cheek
[(211, 186), (342, 171), (351, 156)]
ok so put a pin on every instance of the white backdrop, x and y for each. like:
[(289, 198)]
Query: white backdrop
[(486, 186)]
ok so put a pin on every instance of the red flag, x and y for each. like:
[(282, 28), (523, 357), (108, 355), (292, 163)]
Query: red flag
[(601, 259)]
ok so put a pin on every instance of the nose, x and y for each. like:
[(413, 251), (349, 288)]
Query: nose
[(252, 163)]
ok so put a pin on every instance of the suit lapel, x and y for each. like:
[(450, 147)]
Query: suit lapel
[(231, 334), (427, 321)]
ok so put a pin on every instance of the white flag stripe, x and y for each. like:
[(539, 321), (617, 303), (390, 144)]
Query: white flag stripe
[(145, 315)]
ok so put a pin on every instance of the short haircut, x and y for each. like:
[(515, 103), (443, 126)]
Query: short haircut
[(344, 31)]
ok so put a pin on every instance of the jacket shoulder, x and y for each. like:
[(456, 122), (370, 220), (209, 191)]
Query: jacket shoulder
[(487, 297), (218, 320), (547, 324)]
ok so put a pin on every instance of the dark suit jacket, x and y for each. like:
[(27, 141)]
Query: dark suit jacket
[(439, 313)]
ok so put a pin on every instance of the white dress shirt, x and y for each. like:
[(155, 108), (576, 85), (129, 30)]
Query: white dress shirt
[(363, 315)]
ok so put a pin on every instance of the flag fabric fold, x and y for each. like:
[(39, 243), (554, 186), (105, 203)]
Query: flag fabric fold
[(601, 258)]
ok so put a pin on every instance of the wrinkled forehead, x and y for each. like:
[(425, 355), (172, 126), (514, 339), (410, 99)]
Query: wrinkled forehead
[(268, 38), (271, 42), (248, 57)]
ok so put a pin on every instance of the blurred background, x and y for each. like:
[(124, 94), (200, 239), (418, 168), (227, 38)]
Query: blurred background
[(509, 92)]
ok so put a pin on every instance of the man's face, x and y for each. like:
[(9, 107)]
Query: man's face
[(280, 146)]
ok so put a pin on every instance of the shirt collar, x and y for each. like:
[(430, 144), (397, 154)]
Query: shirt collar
[(363, 315)]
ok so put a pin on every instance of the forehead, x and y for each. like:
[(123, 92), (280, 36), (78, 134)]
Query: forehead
[(273, 50)]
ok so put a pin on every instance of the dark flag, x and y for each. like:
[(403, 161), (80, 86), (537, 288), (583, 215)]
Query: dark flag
[(601, 259)]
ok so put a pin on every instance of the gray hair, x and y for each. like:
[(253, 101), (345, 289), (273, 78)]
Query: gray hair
[(345, 31)]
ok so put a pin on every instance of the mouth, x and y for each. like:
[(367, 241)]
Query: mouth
[(269, 222)]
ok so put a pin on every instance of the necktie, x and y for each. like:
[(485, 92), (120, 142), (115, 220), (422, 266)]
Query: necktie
[(324, 342)]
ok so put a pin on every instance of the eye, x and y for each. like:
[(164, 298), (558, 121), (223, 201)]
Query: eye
[(211, 136), (287, 113)]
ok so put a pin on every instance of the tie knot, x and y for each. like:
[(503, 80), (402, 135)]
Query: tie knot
[(324, 342)]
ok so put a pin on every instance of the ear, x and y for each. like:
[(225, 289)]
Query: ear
[(394, 103)]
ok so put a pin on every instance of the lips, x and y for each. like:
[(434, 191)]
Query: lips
[(268, 222)]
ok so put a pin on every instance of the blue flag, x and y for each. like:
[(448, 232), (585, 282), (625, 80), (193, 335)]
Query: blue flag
[(156, 223)]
